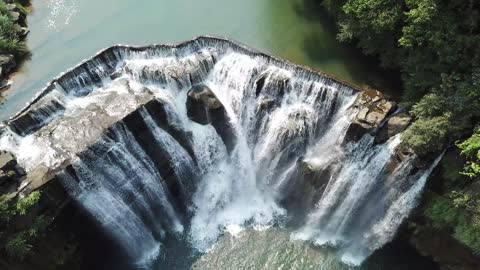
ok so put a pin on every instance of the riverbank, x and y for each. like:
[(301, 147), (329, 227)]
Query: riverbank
[(13, 32)]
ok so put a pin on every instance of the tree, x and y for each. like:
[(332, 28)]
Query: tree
[(470, 148)]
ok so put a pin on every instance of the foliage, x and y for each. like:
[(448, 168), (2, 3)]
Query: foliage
[(10, 42), (373, 23), (8, 29), (427, 134), (19, 243), (18, 247), (5, 211), (435, 45), (471, 150), (26, 203), (459, 212)]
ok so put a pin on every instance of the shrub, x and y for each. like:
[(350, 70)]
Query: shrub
[(427, 135), (18, 247), (23, 205), (19, 243), (459, 213), (470, 148)]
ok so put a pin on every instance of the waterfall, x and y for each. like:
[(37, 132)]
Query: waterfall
[(117, 132)]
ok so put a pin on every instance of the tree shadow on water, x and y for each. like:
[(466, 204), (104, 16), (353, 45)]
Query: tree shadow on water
[(318, 49), (310, 10)]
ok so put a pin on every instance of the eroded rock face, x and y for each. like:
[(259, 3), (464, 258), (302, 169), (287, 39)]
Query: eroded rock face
[(205, 108), (200, 102), (16, 14), (373, 109), (7, 63), (11, 174), (444, 249), (395, 125), (310, 184)]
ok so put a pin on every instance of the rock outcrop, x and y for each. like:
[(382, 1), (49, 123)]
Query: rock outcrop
[(373, 109), (201, 103), (376, 116), (7, 61), (11, 174), (7, 64), (443, 249), (205, 108), (395, 125)]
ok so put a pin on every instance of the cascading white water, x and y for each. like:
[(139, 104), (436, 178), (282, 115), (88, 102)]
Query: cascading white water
[(132, 177)]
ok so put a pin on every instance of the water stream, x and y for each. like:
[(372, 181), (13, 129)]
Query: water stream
[(148, 174)]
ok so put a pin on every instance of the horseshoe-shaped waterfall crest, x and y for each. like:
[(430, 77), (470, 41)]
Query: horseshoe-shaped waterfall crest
[(122, 132)]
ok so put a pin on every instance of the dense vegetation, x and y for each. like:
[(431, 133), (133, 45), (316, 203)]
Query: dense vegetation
[(436, 46), (16, 237), (10, 42)]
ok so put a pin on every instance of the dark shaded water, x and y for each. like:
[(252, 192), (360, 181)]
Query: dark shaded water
[(252, 250)]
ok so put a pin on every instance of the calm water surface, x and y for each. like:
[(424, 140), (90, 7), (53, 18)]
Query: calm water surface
[(64, 32)]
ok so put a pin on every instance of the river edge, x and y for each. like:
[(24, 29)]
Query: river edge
[(10, 65)]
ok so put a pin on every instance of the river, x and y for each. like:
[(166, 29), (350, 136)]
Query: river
[(64, 32)]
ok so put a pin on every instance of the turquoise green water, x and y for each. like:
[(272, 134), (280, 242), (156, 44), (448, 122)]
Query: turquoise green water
[(63, 32), (273, 249)]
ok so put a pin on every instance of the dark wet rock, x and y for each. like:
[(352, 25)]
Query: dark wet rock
[(159, 155), (7, 64), (16, 14), (373, 109), (266, 104), (272, 85), (308, 187), (34, 119), (160, 116), (5, 84), (205, 108), (442, 248), (23, 32), (11, 174), (395, 125), (200, 102), (7, 160), (259, 85)]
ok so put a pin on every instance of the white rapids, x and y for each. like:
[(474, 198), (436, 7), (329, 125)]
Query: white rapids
[(143, 177)]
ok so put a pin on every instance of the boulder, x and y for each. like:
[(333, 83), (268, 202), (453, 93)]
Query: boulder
[(200, 101), (446, 251), (372, 109), (7, 161), (205, 108), (7, 64), (395, 125), (5, 84), (310, 183), (15, 16), (23, 32)]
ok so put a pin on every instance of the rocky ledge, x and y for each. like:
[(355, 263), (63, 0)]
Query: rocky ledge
[(378, 116), (11, 174)]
